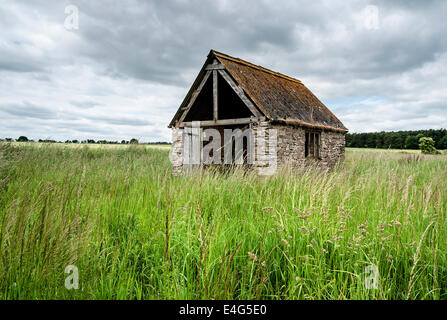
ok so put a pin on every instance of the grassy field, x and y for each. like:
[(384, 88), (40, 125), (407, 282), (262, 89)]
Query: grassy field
[(134, 231), (90, 145)]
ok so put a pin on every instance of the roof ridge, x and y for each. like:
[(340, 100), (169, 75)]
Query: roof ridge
[(254, 66)]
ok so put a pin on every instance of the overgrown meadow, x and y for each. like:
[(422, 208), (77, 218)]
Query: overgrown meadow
[(134, 231)]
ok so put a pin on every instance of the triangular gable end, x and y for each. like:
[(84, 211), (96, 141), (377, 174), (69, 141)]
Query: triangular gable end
[(215, 98)]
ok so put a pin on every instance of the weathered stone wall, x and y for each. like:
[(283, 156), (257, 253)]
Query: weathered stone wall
[(332, 148), (176, 153), (290, 149), (265, 162), (291, 142)]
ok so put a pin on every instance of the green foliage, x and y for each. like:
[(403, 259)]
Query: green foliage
[(133, 141), (411, 142), (395, 140), (137, 232), (443, 142), (22, 139), (427, 146)]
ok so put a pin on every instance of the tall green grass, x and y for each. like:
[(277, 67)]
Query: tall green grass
[(136, 232)]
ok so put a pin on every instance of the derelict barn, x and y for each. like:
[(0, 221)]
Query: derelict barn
[(230, 93)]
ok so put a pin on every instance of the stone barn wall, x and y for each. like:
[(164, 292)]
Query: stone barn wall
[(290, 147), (332, 148), (176, 153)]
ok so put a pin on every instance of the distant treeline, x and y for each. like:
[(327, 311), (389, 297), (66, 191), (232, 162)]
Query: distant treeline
[(131, 141), (396, 139)]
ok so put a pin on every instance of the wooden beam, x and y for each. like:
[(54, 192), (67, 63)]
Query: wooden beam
[(194, 95), (218, 66), (215, 110), (240, 93), (319, 146), (223, 122)]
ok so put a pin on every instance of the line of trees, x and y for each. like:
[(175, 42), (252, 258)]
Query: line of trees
[(396, 139), (131, 141), (380, 140)]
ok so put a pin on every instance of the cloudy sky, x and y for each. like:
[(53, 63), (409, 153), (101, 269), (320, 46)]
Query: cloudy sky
[(378, 65)]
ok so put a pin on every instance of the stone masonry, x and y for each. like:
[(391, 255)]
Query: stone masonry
[(290, 149)]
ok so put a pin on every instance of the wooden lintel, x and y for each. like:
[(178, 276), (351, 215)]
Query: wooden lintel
[(222, 122), (218, 66)]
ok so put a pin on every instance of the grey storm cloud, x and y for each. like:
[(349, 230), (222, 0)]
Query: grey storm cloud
[(12, 64), (130, 61), (121, 121), (84, 104), (28, 110)]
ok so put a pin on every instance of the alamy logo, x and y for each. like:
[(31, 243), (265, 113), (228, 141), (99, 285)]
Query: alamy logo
[(371, 17), (72, 20), (72, 281), (230, 147), (372, 277)]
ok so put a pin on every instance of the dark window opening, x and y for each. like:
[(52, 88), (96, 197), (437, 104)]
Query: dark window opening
[(230, 106), (202, 108), (312, 145)]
